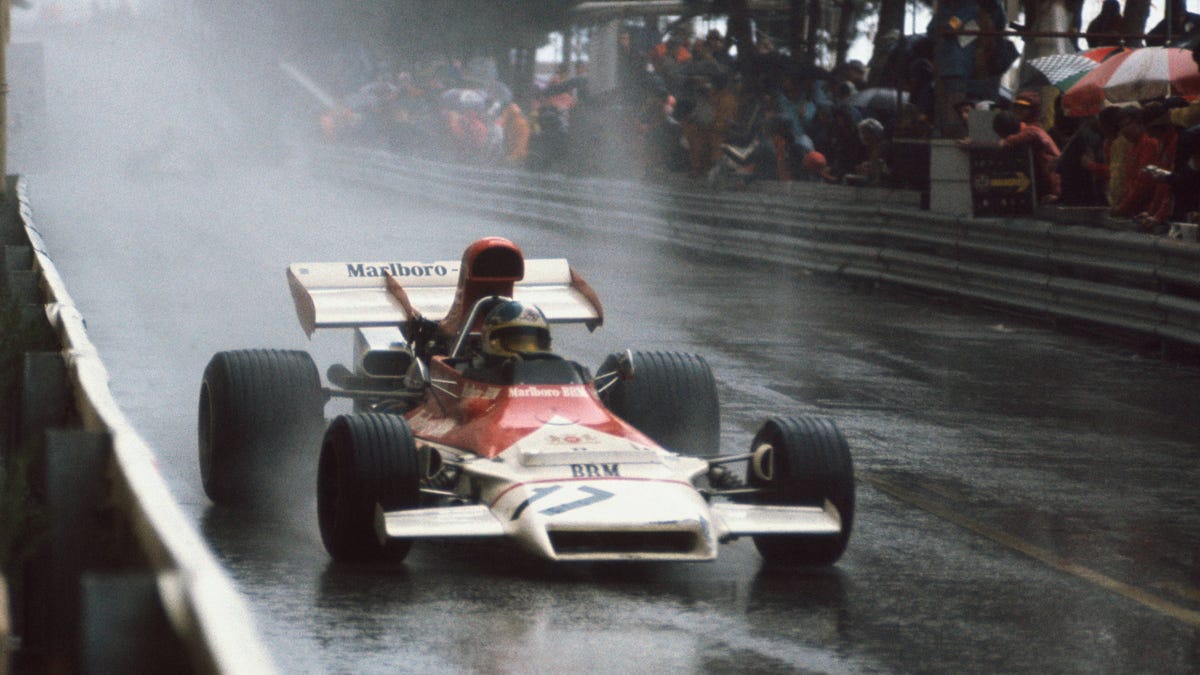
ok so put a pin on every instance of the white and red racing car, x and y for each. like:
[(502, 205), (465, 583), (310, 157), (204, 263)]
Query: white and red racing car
[(620, 466)]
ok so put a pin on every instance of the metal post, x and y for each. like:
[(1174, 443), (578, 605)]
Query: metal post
[(1169, 18), (5, 19), (124, 627), (76, 495), (6, 630)]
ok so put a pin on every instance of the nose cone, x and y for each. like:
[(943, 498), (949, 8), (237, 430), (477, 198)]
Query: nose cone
[(615, 519)]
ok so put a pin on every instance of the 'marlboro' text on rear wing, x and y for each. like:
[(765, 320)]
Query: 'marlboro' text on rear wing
[(349, 295)]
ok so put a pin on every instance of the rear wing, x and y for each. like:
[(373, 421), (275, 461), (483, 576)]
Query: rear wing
[(349, 295)]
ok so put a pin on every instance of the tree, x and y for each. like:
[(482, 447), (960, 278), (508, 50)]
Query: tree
[(848, 15), (1050, 16), (1136, 13), (891, 20), (739, 26), (812, 31)]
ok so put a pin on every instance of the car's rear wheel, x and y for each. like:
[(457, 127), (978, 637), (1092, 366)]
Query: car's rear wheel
[(672, 398), (366, 459), (260, 411), (803, 461)]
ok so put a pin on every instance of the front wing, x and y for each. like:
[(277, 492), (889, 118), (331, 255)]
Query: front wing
[(682, 528)]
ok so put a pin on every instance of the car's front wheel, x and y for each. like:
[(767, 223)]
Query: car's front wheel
[(672, 398), (260, 410), (366, 459), (803, 461)]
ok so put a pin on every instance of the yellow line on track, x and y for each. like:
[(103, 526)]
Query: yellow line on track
[(1057, 562)]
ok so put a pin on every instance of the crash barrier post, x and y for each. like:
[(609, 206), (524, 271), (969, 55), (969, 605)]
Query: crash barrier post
[(6, 632), (105, 572), (1126, 282)]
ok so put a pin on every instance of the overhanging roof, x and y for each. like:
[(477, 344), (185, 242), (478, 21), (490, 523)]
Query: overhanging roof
[(617, 8)]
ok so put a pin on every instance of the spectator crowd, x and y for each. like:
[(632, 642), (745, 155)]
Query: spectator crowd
[(686, 106)]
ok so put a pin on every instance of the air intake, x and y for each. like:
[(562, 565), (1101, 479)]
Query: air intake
[(622, 542), (386, 362)]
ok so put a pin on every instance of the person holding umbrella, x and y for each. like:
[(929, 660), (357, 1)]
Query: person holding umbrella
[(1184, 114)]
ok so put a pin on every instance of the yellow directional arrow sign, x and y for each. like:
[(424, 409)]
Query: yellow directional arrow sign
[(1018, 181)]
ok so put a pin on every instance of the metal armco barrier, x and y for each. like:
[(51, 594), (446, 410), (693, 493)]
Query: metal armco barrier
[(1149, 286), (119, 581)]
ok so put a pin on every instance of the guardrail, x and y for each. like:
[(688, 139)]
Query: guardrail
[(113, 578), (1134, 283)]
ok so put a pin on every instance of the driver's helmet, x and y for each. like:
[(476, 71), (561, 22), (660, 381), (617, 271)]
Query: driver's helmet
[(513, 328)]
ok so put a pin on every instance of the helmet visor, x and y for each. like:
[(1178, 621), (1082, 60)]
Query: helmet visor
[(522, 339)]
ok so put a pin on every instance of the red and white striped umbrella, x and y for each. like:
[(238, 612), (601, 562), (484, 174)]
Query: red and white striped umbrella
[(1064, 70), (1137, 75)]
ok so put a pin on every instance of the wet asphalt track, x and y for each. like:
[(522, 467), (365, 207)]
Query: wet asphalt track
[(1026, 498)]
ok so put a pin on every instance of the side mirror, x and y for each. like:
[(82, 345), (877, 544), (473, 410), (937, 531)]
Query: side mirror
[(625, 365), (616, 368), (417, 375), (429, 461)]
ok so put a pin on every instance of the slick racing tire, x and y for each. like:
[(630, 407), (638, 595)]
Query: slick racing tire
[(672, 398), (366, 459), (260, 418), (803, 461)]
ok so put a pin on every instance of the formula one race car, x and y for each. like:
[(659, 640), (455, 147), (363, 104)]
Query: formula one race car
[(465, 425)]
